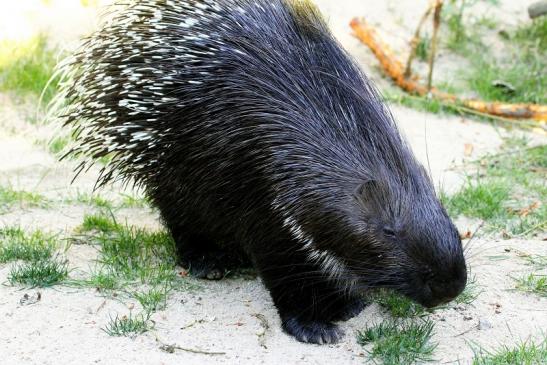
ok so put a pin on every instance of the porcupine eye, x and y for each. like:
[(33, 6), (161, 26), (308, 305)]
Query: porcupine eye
[(388, 232)]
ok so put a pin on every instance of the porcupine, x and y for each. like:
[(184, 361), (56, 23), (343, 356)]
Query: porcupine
[(258, 137)]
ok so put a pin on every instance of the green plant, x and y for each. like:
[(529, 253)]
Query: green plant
[(133, 201), (27, 67), (533, 283), (57, 145), (454, 17), (154, 298), (102, 279), (130, 258), (395, 342), (39, 273), (135, 253), (10, 197), (99, 223), (532, 34), (518, 80), (526, 353), (16, 244), (396, 304), (128, 326), (470, 293), (480, 198), (507, 191), (95, 200)]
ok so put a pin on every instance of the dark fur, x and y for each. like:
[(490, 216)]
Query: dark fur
[(282, 141)]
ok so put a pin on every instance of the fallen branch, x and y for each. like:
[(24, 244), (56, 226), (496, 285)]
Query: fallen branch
[(539, 127), (172, 348), (395, 70)]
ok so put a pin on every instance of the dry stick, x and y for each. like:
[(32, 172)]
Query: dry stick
[(466, 331), (436, 23), (265, 326), (414, 42), (171, 348), (463, 109), (395, 69)]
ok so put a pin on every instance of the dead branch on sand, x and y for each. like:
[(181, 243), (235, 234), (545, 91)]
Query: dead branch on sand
[(396, 71)]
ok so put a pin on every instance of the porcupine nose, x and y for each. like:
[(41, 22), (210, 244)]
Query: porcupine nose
[(443, 290)]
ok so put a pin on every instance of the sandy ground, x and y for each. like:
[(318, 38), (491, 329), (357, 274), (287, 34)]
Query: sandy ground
[(65, 326)]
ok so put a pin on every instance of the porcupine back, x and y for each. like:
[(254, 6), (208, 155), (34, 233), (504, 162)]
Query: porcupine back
[(250, 101)]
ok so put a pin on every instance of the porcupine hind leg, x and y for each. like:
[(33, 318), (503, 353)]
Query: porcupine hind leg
[(203, 257), (196, 252), (200, 256)]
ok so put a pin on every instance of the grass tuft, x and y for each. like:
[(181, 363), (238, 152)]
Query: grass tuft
[(26, 67), (470, 293), (534, 32), (15, 245), (133, 201), (533, 283), (39, 273), (396, 304), (93, 200), (102, 279), (507, 192), (128, 326), (153, 299), (99, 223), (10, 197), (396, 342), (518, 75), (135, 253), (526, 353), (58, 145), (129, 259), (522, 82), (480, 198)]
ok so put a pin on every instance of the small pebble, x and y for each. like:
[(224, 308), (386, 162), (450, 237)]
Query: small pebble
[(484, 324)]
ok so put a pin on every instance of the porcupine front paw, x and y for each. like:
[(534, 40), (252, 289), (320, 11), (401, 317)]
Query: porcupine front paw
[(317, 332), (204, 265), (350, 309)]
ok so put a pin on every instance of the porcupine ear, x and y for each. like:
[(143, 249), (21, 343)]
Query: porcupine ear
[(372, 195), (365, 191)]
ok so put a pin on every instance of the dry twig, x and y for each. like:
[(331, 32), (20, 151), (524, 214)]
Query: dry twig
[(395, 69)]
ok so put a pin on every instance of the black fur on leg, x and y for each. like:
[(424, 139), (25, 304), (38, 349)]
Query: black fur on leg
[(307, 301), (352, 308)]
